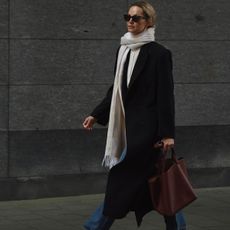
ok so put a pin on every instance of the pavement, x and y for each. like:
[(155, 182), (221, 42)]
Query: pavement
[(211, 211)]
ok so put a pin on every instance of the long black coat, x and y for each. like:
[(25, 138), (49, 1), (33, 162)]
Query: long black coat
[(149, 116)]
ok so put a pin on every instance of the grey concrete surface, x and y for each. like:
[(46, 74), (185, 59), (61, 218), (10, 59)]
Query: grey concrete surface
[(200, 61), (209, 212), (204, 147), (62, 62), (47, 107), (34, 187), (210, 177), (52, 107), (4, 116), (44, 19), (40, 186), (67, 19), (3, 19), (3, 61), (202, 104), (62, 152), (45, 153), (50, 163), (192, 20), (4, 153), (57, 61)]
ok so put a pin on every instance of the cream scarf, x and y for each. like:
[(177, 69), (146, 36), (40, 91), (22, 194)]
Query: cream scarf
[(116, 134)]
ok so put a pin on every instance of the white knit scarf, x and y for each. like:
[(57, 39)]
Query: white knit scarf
[(116, 134)]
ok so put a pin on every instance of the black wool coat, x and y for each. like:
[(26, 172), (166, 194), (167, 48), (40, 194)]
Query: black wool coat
[(149, 117)]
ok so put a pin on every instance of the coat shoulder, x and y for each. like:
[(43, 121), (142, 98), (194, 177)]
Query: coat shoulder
[(156, 48)]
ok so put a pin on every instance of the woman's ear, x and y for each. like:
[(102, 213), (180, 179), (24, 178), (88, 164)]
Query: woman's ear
[(148, 24)]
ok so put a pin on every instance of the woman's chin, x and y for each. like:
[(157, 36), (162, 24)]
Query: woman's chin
[(132, 32)]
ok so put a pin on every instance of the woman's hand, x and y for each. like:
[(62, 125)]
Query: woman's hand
[(89, 122), (165, 143)]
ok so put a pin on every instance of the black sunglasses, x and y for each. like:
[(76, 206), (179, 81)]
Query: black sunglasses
[(135, 18)]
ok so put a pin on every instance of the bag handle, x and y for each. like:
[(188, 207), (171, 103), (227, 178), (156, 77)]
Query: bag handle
[(164, 154), (163, 158)]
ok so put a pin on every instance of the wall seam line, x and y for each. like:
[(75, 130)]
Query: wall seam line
[(8, 103), (109, 83), (113, 39)]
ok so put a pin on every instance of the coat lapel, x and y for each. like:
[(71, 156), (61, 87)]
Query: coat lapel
[(142, 57)]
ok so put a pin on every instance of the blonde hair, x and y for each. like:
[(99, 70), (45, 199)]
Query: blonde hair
[(148, 10)]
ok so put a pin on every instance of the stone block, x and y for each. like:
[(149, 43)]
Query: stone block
[(192, 20), (202, 104), (209, 177), (38, 157), (60, 152), (64, 107), (3, 62), (3, 108), (94, 183), (62, 62), (67, 19), (204, 147), (3, 153), (52, 186), (44, 107), (56, 152), (4, 19), (200, 61)]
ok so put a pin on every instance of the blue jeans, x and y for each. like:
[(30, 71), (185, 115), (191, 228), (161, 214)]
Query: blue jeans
[(180, 219), (99, 222)]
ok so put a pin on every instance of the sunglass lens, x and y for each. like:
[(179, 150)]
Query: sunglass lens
[(135, 18), (127, 17)]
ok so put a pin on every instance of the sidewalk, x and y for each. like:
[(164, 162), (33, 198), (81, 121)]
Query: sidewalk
[(210, 212)]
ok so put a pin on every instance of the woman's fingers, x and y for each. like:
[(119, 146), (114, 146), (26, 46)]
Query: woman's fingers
[(159, 144), (88, 123), (166, 148), (168, 144)]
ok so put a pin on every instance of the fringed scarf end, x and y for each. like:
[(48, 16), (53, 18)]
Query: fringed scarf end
[(109, 161)]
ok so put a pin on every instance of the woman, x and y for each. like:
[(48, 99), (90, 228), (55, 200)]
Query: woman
[(139, 110)]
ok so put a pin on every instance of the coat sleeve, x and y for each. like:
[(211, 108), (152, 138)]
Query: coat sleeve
[(165, 96), (101, 112)]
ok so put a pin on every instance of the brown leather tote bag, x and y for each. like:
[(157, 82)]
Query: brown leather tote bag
[(171, 190)]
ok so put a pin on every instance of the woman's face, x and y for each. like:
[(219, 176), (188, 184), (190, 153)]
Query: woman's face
[(139, 26)]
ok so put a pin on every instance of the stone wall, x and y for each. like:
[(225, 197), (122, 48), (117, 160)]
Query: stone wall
[(56, 63)]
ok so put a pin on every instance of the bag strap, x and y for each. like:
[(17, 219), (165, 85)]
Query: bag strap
[(164, 154), (173, 155), (162, 160)]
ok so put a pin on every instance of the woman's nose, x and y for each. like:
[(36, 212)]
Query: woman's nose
[(131, 20)]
